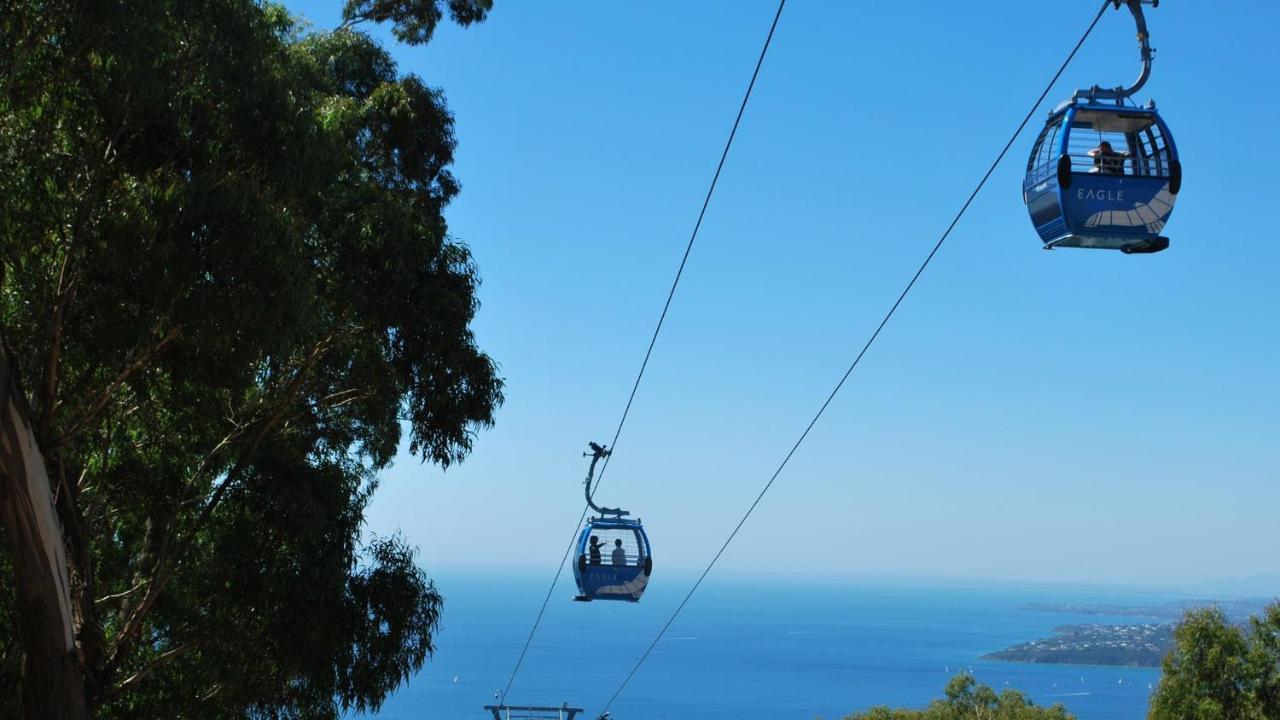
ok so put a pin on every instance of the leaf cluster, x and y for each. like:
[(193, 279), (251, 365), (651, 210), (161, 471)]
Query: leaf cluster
[(414, 21), (967, 699)]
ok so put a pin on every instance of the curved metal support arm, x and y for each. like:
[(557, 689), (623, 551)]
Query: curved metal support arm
[(1144, 48), (597, 452)]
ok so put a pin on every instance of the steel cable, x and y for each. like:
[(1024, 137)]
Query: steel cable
[(902, 296), (706, 202)]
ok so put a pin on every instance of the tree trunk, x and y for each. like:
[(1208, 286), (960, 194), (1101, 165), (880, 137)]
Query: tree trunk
[(53, 682)]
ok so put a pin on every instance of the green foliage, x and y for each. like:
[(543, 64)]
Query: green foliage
[(414, 20), (1219, 671), (230, 289), (966, 699)]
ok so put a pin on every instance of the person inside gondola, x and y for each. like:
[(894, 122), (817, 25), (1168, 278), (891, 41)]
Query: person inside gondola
[(619, 555), (1106, 160), (594, 552)]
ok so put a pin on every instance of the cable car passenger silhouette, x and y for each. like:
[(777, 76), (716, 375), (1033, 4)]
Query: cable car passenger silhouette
[(594, 552), (1106, 160), (619, 555)]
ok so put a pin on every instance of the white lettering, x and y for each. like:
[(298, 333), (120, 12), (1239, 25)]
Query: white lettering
[(1112, 195)]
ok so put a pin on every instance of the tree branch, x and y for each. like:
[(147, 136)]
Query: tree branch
[(49, 390), (340, 398), (121, 595), (226, 441), (167, 564), (290, 394), (133, 680), (139, 362), (66, 286)]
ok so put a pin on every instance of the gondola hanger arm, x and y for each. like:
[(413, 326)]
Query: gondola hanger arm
[(1119, 94), (597, 453)]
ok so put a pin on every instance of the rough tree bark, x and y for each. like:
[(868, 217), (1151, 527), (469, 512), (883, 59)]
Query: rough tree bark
[(53, 685)]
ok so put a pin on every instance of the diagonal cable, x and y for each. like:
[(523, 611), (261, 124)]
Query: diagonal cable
[(902, 296), (706, 202)]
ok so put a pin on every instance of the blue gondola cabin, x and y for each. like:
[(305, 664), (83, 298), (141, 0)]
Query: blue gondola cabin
[(613, 562), (1103, 176)]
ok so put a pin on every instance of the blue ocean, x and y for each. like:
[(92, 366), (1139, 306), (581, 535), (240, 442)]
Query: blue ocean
[(751, 648)]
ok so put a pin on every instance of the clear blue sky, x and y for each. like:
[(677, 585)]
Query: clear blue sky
[(1072, 415)]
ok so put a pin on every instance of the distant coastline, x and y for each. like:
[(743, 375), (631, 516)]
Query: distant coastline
[(1127, 645), (1136, 645)]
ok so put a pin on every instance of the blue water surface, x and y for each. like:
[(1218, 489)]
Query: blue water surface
[(755, 649)]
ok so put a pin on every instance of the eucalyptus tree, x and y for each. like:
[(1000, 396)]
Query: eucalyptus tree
[(228, 291), (1221, 671)]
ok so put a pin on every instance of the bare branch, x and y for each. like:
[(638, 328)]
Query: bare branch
[(336, 395), (132, 681), (121, 595), (344, 397)]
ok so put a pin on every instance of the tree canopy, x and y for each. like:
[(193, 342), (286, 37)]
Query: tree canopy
[(1220, 671), (228, 294), (967, 699)]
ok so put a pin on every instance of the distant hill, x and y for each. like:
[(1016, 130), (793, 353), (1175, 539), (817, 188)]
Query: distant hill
[(1236, 610), (1261, 585)]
